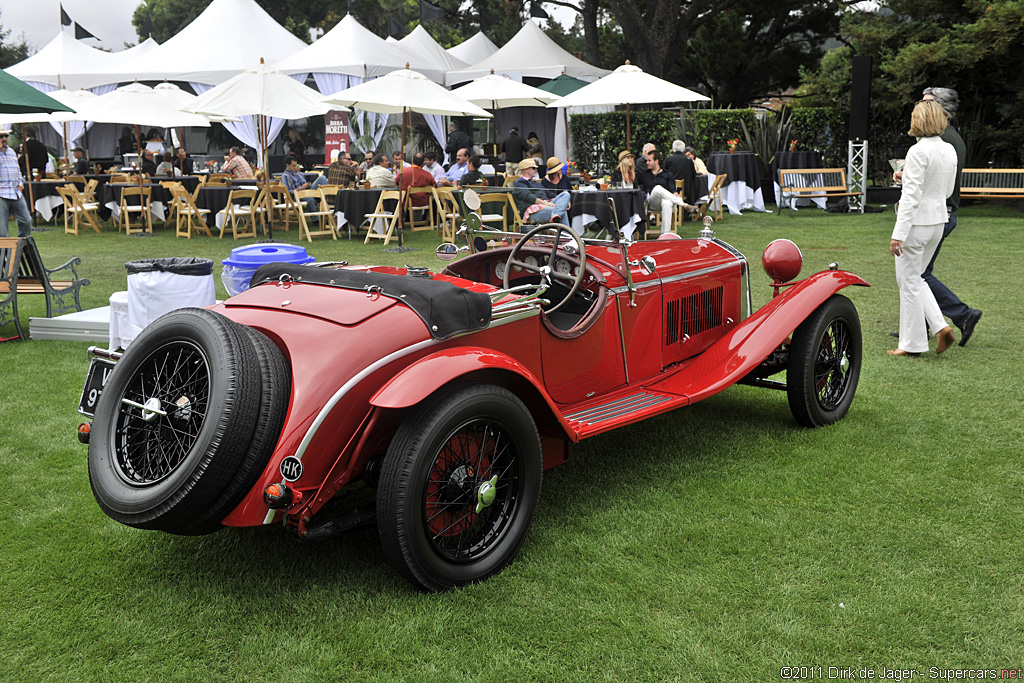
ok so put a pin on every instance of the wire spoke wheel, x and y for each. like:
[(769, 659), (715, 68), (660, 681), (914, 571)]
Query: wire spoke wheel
[(149, 446), (474, 454), (459, 486), (824, 363)]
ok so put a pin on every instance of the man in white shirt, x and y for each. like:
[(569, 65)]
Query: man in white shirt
[(431, 166), (379, 174), (459, 168)]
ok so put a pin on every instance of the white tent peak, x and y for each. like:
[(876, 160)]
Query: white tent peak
[(532, 53), (352, 49), (476, 49), (63, 59), (228, 37), (422, 45)]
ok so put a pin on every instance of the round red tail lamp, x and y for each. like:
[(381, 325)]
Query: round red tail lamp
[(782, 260)]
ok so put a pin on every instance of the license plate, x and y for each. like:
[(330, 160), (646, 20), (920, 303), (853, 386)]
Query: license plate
[(99, 373)]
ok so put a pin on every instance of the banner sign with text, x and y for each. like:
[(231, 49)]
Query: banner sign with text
[(335, 133)]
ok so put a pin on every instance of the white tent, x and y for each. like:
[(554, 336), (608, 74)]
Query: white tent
[(530, 53), (229, 37), (426, 51), (475, 50), (63, 62)]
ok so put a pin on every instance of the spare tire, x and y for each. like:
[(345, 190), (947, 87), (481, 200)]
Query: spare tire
[(174, 423)]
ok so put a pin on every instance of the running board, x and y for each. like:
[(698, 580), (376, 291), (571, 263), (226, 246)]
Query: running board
[(619, 410)]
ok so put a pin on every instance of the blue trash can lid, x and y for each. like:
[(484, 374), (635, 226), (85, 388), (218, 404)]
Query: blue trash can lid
[(255, 255)]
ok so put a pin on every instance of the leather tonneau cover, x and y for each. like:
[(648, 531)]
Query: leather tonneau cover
[(446, 309)]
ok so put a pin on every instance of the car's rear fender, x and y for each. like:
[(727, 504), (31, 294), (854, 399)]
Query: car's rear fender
[(743, 348), (474, 364)]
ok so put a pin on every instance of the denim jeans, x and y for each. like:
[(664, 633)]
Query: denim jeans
[(16, 208), (560, 208), (950, 303)]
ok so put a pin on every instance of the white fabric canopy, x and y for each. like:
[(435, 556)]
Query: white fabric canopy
[(475, 50), (530, 53), (227, 38), (428, 53), (65, 62), (628, 85), (140, 105), (494, 91), (353, 50), (405, 90)]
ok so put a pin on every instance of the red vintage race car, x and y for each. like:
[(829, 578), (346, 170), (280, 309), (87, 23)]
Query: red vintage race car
[(447, 393)]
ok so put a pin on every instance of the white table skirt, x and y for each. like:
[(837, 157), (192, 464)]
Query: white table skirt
[(738, 197), (156, 210), (46, 205)]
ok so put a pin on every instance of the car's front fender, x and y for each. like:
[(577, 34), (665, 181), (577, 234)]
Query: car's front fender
[(743, 348)]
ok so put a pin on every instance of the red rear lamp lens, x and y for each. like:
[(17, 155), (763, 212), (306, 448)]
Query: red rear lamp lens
[(84, 430)]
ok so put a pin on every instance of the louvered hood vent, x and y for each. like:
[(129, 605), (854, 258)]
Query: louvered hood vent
[(690, 315)]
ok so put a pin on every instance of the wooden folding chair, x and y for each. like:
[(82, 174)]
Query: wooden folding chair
[(678, 212), (282, 205), (447, 212), (188, 216), (324, 213), (169, 185), (425, 220), (78, 210), (124, 219), (389, 219), (714, 199), (242, 206), (89, 192), (219, 179), (499, 211)]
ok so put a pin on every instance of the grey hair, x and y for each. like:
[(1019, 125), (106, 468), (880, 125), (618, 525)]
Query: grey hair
[(947, 97), (691, 150), (678, 146)]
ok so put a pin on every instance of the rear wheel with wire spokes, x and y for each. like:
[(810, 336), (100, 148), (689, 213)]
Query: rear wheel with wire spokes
[(459, 487)]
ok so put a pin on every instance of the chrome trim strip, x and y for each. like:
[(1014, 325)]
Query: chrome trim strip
[(745, 273), (675, 278), (100, 352), (347, 386)]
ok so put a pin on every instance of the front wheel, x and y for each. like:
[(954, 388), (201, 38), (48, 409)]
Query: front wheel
[(459, 487), (824, 363)]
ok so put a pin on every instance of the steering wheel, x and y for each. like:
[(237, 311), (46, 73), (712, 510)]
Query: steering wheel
[(547, 272)]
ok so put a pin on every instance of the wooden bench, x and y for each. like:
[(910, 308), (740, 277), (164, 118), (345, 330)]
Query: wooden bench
[(992, 183), (812, 183), (22, 272)]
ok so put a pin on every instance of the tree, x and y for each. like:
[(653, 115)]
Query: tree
[(11, 52), (973, 47)]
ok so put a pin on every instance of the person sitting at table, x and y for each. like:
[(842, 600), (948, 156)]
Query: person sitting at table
[(555, 181), (431, 166), (236, 165), (148, 162), (625, 172), (472, 176), (530, 197), (367, 162), (645, 155), (698, 163), (415, 176), (660, 186), (343, 171), (459, 168), (294, 180), (379, 174), (81, 163), (398, 161), (681, 166), (166, 167), (183, 163)]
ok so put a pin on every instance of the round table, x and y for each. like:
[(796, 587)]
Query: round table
[(742, 186), (110, 203)]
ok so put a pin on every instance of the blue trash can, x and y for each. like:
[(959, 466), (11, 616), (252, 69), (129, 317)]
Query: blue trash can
[(243, 262)]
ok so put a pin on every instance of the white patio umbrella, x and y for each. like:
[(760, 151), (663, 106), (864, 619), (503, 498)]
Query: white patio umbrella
[(401, 92), (628, 85), (495, 91), (261, 91)]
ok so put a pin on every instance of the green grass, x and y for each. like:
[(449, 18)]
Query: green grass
[(713, 543)]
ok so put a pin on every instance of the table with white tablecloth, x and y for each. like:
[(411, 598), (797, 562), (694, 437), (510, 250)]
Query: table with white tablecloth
[(742, 186)]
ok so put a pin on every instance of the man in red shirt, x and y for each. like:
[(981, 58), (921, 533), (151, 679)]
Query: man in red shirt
[(416, 176)]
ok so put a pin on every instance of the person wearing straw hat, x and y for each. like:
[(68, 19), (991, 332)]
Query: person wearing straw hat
[(12, 202), (555, 181), (529, 196), (625, 172)]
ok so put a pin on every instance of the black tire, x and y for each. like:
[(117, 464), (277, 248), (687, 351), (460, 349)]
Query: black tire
[(275, 394), (428, 525), (163, 472), (824, 363)]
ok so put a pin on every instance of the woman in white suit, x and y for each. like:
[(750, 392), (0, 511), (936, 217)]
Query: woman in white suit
[(928, 179)]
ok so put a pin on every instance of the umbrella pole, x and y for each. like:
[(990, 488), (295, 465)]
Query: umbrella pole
[(401, 195), (28, 181), (138, 141), (627, 125), (266, 179)]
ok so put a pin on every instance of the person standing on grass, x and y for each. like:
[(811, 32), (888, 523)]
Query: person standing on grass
[(962, 315), (12, 202), (928, 180)]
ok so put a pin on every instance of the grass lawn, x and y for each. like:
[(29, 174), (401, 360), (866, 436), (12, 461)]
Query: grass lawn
[(717, 542)]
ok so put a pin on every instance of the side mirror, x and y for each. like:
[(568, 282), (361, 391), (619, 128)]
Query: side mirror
[(471, 199), (449, 251), (648, 265)]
